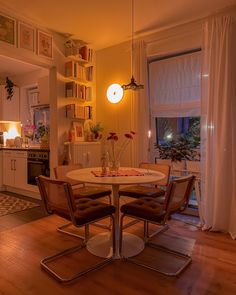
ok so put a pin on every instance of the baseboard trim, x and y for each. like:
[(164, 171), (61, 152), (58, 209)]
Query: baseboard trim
[(29, 193)]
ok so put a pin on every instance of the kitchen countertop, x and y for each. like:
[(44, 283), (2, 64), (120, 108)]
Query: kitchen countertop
[(23, 148)]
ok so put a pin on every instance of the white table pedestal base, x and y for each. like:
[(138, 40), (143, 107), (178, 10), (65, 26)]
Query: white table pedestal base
[(101, 245)]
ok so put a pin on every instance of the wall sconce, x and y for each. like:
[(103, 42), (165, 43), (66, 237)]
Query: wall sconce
[(115, 93)]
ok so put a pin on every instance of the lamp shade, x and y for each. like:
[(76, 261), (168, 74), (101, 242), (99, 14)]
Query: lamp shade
[(115, 93)]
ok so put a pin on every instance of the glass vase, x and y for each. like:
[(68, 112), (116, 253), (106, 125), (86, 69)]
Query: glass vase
[(114, 166)]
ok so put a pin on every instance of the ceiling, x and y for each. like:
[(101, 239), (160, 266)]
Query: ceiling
[(103, 23), (12, 67)]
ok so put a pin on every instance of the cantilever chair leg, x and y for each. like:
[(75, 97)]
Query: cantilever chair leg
[(134, 260), (61, 229), (96, 266), (160, 230)]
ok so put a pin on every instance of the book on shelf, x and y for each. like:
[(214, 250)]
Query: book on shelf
[(76, 90), (88, 113), (83, 51), (70, 69), (74, 111), (89, 73), (88, 93)]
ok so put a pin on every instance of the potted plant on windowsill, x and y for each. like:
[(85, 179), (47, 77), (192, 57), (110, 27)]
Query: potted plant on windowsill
[(42, 135)]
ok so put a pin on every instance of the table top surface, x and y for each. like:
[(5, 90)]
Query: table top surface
[(86, 175)]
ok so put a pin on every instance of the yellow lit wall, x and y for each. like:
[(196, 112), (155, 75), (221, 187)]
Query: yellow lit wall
[(113, 65)]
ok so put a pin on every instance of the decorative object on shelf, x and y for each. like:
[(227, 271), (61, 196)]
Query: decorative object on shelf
[(115, 152), (93, 132), (79, 131), (115, 93), (44, 44), (26, 37), (132, 85), (8, 30), (10, 88)]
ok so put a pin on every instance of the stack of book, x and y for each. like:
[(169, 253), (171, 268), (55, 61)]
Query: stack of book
[(75, 90), (74, 111)]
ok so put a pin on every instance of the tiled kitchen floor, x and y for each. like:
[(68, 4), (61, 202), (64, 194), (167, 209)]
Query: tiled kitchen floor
[(16, 219)]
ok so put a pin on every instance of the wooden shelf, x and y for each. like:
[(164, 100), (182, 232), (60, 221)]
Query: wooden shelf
[(78, 59), (78, 81)]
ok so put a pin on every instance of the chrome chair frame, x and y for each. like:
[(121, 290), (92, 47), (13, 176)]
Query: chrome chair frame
[(68, 191), (164, 227)]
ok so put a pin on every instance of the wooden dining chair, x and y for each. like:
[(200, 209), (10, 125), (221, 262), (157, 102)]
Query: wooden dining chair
[(59, 199), (80, 190), (149, 210), (155, 189)]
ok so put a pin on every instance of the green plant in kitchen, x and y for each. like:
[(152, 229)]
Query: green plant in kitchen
[(42, 132), (9, 87)]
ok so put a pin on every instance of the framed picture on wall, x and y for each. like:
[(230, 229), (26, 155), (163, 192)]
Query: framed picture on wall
[(26, 37), (44, 42), (79, 131), (7, 29)]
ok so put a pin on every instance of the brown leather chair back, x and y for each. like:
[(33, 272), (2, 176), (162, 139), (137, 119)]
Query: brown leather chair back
[(57, 196), (178, 194), (61, 171)]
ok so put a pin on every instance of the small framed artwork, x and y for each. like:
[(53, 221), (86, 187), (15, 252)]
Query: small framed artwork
[(7, 29), (44, 44), (79, 131), (26, 37)]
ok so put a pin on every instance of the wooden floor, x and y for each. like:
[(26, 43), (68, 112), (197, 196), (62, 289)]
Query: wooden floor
[(213, 269)]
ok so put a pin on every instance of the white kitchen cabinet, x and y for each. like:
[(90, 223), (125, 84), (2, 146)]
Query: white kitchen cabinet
[(9, 108), (15, 168), (86, 153)]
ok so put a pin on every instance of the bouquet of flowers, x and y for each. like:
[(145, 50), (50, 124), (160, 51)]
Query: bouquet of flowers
[(116, 152), (28, 130)]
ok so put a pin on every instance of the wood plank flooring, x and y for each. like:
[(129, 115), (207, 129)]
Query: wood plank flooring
[(213, 269)]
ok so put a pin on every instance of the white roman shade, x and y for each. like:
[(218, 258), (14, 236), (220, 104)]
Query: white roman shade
[(175, 86)]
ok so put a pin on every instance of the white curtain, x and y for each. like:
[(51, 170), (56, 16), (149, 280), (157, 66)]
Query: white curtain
[(175, 86), (140, 105), (218, 139)]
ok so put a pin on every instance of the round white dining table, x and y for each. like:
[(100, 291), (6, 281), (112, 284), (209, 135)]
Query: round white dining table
[(101, 244)]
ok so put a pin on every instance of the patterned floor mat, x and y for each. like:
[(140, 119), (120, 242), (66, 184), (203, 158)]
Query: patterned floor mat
[(10, 204)]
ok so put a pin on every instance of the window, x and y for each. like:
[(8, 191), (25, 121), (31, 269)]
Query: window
[(169, 129)]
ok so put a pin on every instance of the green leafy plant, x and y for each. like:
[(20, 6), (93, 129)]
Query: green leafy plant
[(9, 87), (96, 129), (182, 147), (42, 132)]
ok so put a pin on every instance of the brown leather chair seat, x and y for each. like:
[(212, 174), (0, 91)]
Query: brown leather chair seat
[(92, 192), (141, 191), (145, 208), (154, 190)]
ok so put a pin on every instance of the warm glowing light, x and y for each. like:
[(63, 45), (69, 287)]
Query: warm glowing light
[(12, 133), (169, 136), (149, 133), (115, 93)]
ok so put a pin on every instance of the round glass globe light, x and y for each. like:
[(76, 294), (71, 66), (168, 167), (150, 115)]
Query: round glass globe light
[(115, 93)]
